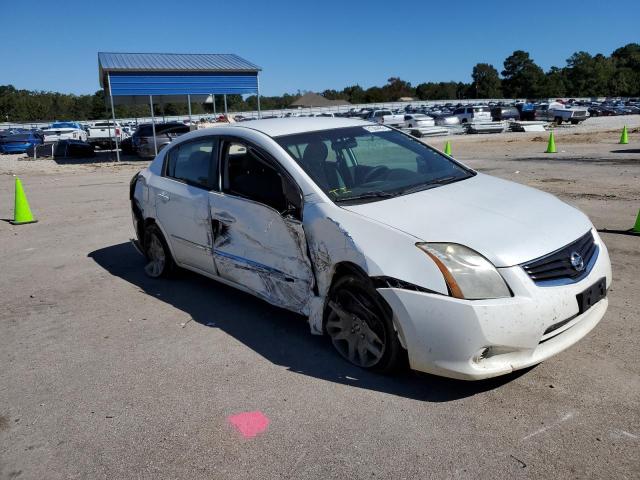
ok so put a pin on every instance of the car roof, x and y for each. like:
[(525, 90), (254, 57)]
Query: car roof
[(275, 127)]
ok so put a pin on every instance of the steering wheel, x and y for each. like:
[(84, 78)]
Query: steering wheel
[(375, 172)]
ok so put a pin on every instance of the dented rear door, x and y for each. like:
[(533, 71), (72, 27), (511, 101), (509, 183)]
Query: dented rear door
[(254, 246)]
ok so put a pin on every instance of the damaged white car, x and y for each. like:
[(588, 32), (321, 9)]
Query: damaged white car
[(393, 249)]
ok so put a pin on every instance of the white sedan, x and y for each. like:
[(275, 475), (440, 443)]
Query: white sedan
[(418, 120), (64, 131), (392, 249)]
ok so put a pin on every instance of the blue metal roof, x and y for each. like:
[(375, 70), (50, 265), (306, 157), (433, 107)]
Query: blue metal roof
[(138, 84), (134, 75), (174, 62)]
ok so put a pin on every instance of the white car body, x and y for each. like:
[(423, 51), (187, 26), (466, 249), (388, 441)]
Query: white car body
[(386, 117), (104, 133), (557, 112), (64, 131), (418, 120), (476, 113), (292, 262)]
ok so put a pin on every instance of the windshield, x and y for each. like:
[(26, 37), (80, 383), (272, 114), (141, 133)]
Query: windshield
[(369, 163)]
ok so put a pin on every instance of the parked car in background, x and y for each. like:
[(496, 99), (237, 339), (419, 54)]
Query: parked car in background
[(142, 140), (558, 113), (395, 251), (527, 111), (477, 113), (417, 120), (64, 131), (500, 113), (445, 119), (126, 145), (104, 134), (386, 117), (20, 142)]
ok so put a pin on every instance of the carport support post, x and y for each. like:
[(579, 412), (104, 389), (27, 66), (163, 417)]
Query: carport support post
[(258, 85), (153, 126), (225, 105), (189, 100), (113, 114), (213, 101)]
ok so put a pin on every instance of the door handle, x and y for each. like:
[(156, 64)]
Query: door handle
[(164, 196)]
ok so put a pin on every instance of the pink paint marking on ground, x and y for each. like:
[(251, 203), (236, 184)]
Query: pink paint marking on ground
[(249, 424)]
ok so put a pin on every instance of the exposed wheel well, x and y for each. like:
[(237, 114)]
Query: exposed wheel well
[(349, 268)]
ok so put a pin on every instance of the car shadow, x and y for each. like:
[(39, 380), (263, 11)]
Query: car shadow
[(626, 150), (280, 336), (101, 156)]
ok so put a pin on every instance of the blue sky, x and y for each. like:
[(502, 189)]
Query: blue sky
[(311, 45)]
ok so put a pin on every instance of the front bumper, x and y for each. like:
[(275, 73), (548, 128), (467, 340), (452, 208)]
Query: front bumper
[(476, 339)]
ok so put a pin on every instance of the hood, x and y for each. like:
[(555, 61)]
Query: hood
[(506, 222)]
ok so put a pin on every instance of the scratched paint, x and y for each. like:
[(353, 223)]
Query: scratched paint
[(249, 424)]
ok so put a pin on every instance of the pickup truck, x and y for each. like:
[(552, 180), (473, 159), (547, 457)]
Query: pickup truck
[(386, 117), (558, 113), (103, 134)]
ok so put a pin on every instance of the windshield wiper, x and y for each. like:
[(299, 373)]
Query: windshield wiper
[(431, 184), (365, 195), (443, 180)]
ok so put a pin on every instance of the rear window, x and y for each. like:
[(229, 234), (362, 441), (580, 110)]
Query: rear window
[(144, 131), (480, 109)]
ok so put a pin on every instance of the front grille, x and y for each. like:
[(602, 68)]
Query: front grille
[(558, 264)]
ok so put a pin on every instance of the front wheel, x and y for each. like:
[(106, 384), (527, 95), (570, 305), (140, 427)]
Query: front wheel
[(360, 328)]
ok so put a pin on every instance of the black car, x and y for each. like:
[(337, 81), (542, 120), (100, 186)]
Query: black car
[(504, 113)]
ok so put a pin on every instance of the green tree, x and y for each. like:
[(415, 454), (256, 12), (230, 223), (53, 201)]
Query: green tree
[(486, 82), (556, 84), (396, 88), (354, 94), (589, 75), (522, 77)]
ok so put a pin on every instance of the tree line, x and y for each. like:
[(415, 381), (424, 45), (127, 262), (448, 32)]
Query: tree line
[(584, 75)]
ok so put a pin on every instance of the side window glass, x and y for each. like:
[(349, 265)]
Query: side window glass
[(192, 162), (249, 175)]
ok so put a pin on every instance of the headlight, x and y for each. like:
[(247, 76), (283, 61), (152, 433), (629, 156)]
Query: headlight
[(467, 273)]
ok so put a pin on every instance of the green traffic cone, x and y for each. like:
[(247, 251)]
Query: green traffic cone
[(21, 212), (624, 138), (636, 227), (551, 146), (447, 148)]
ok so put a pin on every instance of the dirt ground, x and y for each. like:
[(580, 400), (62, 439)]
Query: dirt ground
[(108, 374)]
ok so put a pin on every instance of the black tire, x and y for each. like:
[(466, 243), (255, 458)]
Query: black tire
[(159, 260), (360, 326), (558, 120)]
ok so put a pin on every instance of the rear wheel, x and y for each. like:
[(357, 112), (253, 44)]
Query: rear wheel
[(360, 327), (159, 260), (558, 120)]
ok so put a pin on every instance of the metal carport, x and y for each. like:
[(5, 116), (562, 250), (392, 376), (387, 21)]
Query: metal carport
[(135, 78)]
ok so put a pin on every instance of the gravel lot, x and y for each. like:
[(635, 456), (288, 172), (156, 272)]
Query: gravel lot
[(107, 374)]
